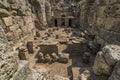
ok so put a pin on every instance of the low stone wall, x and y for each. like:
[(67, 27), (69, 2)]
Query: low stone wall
[(49, 49), (75, 49)]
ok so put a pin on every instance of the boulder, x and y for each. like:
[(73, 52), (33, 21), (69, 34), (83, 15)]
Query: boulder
[(100, 66), (63, 57), (54, 57), (47, 58), (111, 54), (106, 59), (116, 72), (40, 57), (85, 75)]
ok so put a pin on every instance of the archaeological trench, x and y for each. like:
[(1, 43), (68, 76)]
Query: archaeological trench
[(59, 39)]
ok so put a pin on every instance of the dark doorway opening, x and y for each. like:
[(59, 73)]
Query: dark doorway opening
[(63, 22), (55, 23), (70, 22)]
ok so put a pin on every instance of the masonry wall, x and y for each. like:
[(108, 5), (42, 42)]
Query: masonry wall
[(102, 18), (17, 26)]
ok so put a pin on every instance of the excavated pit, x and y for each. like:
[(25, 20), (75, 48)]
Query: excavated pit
[(59, 39), (63, 40)]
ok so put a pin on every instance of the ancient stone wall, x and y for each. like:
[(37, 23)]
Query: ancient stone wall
[(41, 10), (8, 63), (19, 20), (102, 18), (108, 21), (16, 20)]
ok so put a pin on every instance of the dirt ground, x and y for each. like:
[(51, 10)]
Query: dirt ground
[(63, 69)]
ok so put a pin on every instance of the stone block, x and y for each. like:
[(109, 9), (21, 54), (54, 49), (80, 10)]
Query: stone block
[(105, 59), (10, 36), (78, 48), (100, 22), (111, 54), (116, 72), (57, 77), (100, 66), (14, 27), (23, 55), (63, 57), (8, 21), (85, 75), (30, 47), (4, 13), (39, 74), (101, 11), (75, 73), (86, 57), (49, 47)]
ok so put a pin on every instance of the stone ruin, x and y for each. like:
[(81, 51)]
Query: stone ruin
[(59, 39)]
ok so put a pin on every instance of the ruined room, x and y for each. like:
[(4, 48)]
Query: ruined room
[(59, 39)]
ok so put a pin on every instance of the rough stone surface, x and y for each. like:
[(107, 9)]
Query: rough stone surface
[(39, 74), (23, 71), (4, 12), (100, 66), (111, 54), (57, 77), (8, 21), (13, 31), (8, 63), (116, 72), (18, 25), (104, 18), (63, 57), (106, 59)]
